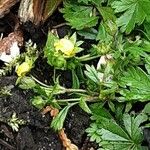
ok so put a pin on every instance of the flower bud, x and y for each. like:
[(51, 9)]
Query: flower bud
[(65, 46), (23, 69)]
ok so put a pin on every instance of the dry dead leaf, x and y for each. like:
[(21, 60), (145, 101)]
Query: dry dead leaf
[(53, 111), (7, 42), (5, 6), (66, 142), (10, 46)]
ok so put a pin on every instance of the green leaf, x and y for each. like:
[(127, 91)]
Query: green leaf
[(146, 108), (110, 135), (90, 33), (75, 80), (50, 44), (84, 106), (84, 1), (138, 82), (50, 7), (92, 73), (26, 83), (147, 29), (107, 13), (98, 112), (38, 102), (79, 17), (132, 126), (134, 12), (58, 121), (102, 33)]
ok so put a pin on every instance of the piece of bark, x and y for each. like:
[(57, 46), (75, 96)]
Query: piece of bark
[(37, 11), (31, 10), (5, 6)]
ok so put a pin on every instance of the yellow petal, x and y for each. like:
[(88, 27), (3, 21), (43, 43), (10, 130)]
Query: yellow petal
[(65, 46), (23, 69)]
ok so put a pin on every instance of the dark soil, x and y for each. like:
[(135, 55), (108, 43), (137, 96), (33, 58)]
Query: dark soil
[(36, 133)]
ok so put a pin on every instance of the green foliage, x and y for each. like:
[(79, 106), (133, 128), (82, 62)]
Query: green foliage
[(27, 83), (134, 12), (78, 16), (138, 82), (84, 106), (111, 135), (58, 121), (92, 74), (147, 108), (113, 70)]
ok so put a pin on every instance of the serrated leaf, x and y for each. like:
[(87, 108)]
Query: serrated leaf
[(79, 17), (26, 83), (134, 12), (84, 106), (146, 108), (107, 13), (92, 73), (138, 82), (58, 121), (132, 126), (90, 33), (127, 135), (99, 112)]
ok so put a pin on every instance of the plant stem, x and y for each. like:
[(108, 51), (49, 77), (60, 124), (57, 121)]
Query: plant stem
[(75, 90), (63, 89), (87, 57), (90, 99), (39, 82)]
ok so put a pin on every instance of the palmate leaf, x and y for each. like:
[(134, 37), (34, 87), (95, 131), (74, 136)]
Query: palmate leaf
[(134, 12), (138, 82), (92, 73), (78, 16), (113, 136)]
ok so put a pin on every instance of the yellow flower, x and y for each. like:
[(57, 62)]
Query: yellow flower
[(23, 69), (65, 46)]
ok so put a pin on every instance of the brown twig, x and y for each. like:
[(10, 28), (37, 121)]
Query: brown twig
[(59, 25)]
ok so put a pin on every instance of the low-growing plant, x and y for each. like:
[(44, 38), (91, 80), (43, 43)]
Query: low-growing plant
[(114, 73)]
